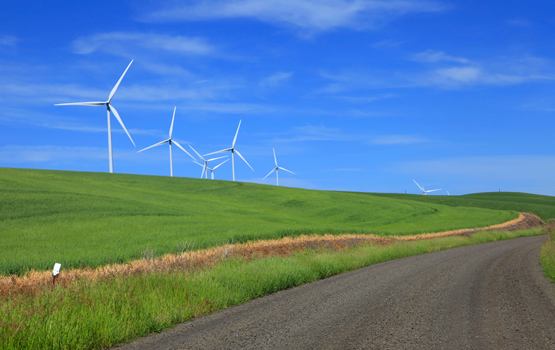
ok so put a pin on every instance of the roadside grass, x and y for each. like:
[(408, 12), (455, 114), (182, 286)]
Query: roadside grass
[(94, 314), (547, 253), (82, 219)]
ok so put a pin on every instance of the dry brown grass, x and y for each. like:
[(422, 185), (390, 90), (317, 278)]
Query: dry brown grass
[(194, 260)]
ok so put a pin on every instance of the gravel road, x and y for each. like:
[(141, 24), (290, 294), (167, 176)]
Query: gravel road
[(487, 296)]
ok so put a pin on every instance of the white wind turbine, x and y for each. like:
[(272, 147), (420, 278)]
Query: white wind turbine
[(233, 151), (109, 107), (276, 169), (169, 141), (211, 169), (424, 192), (205, 167)]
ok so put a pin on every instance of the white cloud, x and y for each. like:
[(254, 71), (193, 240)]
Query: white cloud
[(496, 71), (315, 133), (128, 43), (17, 154), (398, 140), (8, 40), (433, 56), (312, 15), (276, 79)]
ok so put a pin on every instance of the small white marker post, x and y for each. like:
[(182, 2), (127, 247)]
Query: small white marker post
[(56, 272)]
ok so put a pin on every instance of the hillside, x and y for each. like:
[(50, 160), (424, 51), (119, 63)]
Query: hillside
[(543, 206), (90, 219)]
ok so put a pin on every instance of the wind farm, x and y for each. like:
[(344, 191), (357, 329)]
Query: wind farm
[(357, 98)]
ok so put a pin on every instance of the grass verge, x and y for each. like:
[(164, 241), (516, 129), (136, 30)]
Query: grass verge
[(94, 314), (547, 253)]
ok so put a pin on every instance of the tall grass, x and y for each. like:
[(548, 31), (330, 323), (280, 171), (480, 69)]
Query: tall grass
[(93, 314), (83, 219), (547, 253)]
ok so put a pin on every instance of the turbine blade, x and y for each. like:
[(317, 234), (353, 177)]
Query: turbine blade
[(237, 133), (116, 114), (209, 160), (183, 149), (239, 154), (216, 167), (173, 118), (194, 161), (274, 169), (221, 151), (275, 159), (439, 189), (287, 170), (156, 144), (96, 103), (198, 154), (117, 84), (419, 185)]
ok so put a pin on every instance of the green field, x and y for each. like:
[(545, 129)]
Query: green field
[(543, 206), (91, 219)]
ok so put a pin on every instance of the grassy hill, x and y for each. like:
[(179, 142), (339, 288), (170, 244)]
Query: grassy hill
[(543, 206), (90, 219)]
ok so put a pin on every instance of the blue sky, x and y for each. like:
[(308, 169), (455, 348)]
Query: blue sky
[(353, 95)]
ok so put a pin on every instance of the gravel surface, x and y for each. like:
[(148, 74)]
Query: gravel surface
[(487, 296)]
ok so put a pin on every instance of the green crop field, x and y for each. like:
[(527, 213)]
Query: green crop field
[(543, 206), (91, 219)]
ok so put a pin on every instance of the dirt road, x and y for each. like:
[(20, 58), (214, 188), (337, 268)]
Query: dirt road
[(487, 296)]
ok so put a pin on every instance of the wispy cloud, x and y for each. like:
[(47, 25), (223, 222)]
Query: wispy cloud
[(8, 40), (448, 72), (129, 43), (313, 133), (310, 15), (58, 122), (433, 56), (276, 79), (389, 140), (18, 154)]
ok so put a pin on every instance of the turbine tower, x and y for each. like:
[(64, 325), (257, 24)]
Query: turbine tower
[(424, 192), (169, 141), (205, 167), (109, 107), (233, 151), (276, 169)]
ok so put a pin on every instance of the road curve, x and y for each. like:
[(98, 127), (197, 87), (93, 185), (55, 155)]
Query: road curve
[(487, 296)]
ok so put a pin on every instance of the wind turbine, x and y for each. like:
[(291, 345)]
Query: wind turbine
[(205, 167), (109, 107), (233, 151), (424, 192), (169, 141), (276, 169), (211, 169)]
